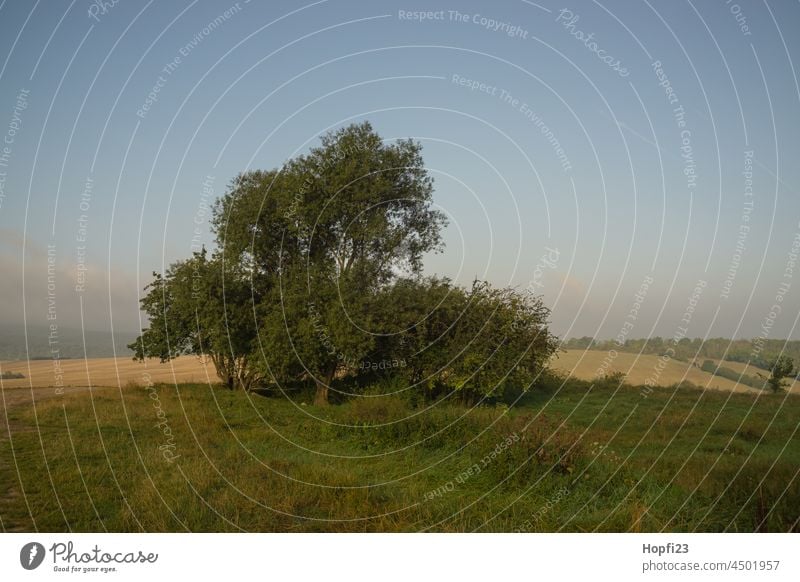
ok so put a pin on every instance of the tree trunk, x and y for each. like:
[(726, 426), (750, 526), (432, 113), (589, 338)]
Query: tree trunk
[(321, 395), (224, 371)]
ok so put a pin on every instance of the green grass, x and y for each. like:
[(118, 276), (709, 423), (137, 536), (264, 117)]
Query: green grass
[(568, 460)]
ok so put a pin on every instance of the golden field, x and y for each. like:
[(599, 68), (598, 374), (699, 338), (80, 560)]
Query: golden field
[(107, 372), (638, 368), (122, 371)]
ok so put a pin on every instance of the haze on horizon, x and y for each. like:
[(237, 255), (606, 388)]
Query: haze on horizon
[(654, 192)]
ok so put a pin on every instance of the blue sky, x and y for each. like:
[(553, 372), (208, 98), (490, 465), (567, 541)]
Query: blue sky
[(561, 173)]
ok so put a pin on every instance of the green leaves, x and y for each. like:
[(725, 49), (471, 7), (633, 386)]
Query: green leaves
[(780, 368), (304, 284), (203, 306), (302, 253), (476, 341)]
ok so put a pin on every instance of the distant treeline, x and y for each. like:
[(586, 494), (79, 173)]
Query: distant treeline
[(757, 351)]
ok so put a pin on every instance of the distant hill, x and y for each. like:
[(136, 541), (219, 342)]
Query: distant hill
[(584, 365), (70, 343), (756, 352)]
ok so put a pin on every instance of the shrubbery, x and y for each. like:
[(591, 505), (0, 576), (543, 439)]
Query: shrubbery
[(611, 379), (723, 372)]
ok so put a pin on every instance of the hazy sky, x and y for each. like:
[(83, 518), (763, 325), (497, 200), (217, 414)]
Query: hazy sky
[(580, 149)]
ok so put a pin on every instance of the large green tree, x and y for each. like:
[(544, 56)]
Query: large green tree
[(316, 273), (302, 254)]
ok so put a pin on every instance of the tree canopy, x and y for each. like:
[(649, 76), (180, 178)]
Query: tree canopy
[(317, 274)]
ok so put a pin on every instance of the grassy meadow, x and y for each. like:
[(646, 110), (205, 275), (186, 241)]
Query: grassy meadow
[(563, 458)]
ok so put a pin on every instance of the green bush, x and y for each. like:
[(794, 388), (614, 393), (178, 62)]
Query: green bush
[(611, 379), (723, 372)]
